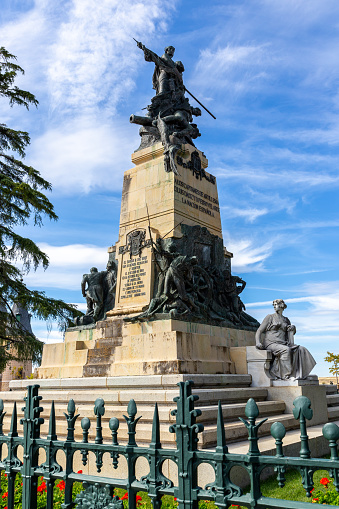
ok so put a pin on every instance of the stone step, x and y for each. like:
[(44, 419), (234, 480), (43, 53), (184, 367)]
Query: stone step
[(236, 430), (103, 351), (108, 342), (331, 389), (111, 329), (143, 396), (233, 411), (333, 413), (232, 395), (145, 381), (332, 399), (209, 413), (96, 369), (97, 360), (100, 359)]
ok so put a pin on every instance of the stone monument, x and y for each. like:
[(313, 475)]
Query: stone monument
[(168, 308), (168, 291)]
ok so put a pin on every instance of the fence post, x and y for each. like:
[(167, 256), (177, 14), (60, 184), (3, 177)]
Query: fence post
[(12, 460), (186, 438), (252, 412), (130, 456), (154, 478), (302, 410), (71, 419), (31, 423)]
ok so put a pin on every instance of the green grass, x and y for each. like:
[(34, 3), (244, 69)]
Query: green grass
[(293, 490)]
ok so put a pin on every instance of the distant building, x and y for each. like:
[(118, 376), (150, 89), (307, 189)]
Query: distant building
[(17, 369), (328, 380)]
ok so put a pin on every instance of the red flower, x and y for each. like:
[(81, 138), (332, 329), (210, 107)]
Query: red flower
[(315, 500), (5, 507), (79, 472), (42, 487), (324, 481), (5, 495), (125, 497), (138, 498), (175, 498), (61, 485)]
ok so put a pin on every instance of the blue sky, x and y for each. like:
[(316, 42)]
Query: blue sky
[(268, 70)]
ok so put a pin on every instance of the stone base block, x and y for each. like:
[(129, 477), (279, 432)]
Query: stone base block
[(258, 363), (316, 393), (64, 360), (171, 352), (143, 348), (309, 380)]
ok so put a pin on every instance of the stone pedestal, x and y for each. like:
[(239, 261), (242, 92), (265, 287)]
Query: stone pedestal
[(172, 346), (154, 204), (157, 204), (310, 388), (150, 194), (143, 348), (257, 365)]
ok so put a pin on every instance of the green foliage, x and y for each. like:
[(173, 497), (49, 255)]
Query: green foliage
[(323, 493), (22, 199), (327, 494), (17, 373), (58, 492), (333, 359)]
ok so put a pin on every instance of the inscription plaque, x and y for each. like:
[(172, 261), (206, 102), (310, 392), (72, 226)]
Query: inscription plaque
[(135, 272), (133, 277), (196, 198)]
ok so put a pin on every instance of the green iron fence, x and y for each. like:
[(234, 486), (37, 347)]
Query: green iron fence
[(98, 493)]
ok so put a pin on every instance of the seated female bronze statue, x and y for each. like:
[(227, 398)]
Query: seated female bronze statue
[(276, 334)]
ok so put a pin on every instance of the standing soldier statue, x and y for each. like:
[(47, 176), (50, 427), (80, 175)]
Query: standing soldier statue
[(92, 287)]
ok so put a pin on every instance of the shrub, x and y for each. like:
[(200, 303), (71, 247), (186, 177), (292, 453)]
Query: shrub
[(327, 494)]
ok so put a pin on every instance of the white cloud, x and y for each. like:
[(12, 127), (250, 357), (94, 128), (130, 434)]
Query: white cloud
[(233, 67), (93, 58), (273, 178), (248, 257), (74, 254), (67, 265), (76, 155), (249, 214), (320, 311), (82, 64)]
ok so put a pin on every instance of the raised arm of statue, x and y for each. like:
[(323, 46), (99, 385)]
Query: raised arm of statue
[(149, 55)]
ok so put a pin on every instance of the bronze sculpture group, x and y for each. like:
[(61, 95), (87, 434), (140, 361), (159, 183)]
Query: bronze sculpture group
[(186, 288)]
